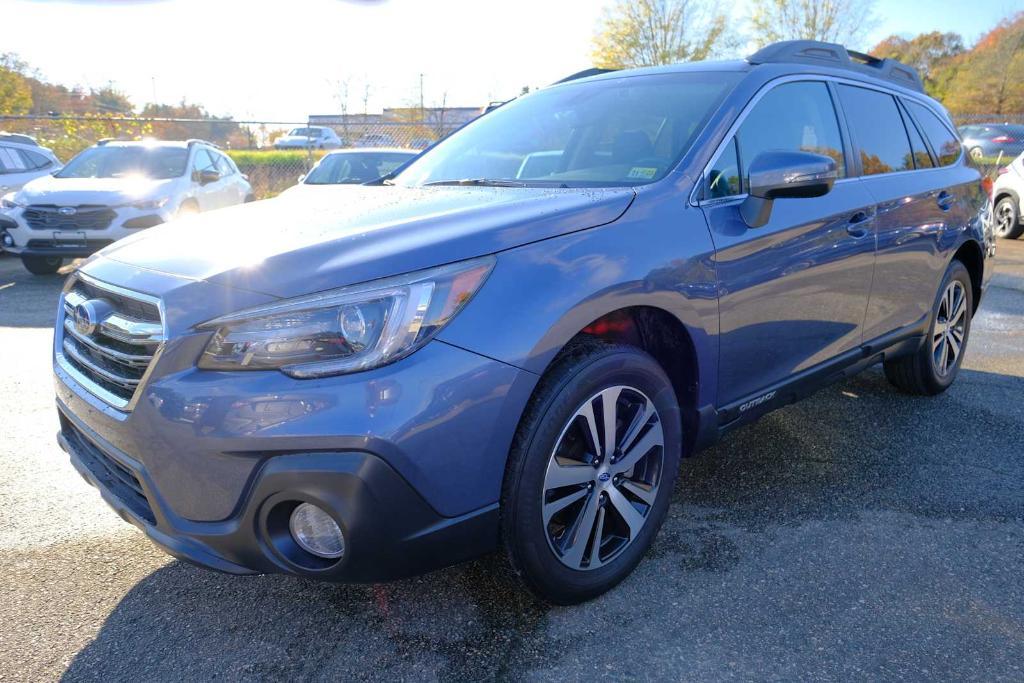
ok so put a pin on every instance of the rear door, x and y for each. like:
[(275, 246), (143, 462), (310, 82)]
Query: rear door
[(792, 293), (14, 170)]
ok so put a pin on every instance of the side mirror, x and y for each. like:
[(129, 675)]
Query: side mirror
[(785, 175), (208, 176)]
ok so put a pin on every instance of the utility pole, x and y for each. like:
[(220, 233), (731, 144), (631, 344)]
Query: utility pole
[(153, 78), (421, 98)]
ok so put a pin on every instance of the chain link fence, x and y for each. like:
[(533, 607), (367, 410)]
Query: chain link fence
[(273, 154)]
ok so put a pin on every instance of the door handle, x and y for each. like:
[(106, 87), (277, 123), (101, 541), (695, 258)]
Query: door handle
[(945, 200), (856, 225)]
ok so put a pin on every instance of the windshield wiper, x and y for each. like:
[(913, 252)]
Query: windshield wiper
[(482, 182)]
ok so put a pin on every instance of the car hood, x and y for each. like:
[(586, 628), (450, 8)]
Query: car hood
[(77, 191), (312, 241)]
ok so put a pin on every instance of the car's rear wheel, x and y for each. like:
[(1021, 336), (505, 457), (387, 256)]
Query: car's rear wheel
[(1007, 219), (933, 367), (42, 265), (977, 153), (591, 472)]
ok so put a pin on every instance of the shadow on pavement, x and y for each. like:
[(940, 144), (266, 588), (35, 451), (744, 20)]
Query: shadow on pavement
[(28, 300), (898, 484)]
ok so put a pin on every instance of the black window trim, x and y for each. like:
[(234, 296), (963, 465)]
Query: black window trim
[(697, 193), (927, 141)]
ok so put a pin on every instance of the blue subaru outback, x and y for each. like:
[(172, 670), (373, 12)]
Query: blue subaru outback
[(512, 341)]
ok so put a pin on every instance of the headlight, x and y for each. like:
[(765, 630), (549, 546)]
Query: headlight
[(149, 204), (8, 202), (345, 330)]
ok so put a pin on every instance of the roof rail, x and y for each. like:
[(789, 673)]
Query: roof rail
[(199, 141), (19, 138), (837, 56), (586, 73)]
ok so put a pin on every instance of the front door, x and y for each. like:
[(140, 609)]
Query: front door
[(793, 293)]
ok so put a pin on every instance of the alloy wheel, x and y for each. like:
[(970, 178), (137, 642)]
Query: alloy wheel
[(1004, 218), (950, 328), (602, 477)]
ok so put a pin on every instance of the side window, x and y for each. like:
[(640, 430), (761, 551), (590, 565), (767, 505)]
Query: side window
[(203, 161), (793, 117), (223, 165), (945, 145), (921, 157), (34, 160), (878, 131), (10, 161), (724, 176)]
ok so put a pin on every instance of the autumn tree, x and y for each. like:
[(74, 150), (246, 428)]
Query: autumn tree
[(932, 54), (15, 93), (987, 80), (651, 32), (833, 21)]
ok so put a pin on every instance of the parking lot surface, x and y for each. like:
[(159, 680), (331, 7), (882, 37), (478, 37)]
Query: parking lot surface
[(858, 534)]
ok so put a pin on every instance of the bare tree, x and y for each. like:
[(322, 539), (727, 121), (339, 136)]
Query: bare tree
[(833, 21), (651, 32)]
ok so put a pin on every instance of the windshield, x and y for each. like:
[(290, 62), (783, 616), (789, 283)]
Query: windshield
[(158, 163), (614, 132), (305, 132), (355, 167)]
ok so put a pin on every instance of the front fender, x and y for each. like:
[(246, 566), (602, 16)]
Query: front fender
[(540, 295)]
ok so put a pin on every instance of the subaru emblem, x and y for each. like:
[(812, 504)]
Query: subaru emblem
[(67, 211), (86, 318), (603, 477)]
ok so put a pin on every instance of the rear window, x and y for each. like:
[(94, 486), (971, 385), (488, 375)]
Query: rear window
[(878, 132), (945, 145)]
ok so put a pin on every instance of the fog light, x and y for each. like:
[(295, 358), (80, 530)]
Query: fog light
[(316, 532), (6, 240)]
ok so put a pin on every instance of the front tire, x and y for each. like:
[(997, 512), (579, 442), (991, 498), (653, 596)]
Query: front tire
[(931, 369), (582, 501), (42, 265), (1008, 219)]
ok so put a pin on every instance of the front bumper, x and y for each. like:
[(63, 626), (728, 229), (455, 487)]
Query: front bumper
[(390, 530), (73, 243), (409, 458)]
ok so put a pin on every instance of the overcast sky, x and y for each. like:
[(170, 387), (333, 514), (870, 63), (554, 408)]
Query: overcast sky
[(283, 60)]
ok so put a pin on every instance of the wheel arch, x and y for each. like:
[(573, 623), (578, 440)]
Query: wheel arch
[(971, 255), (663, 335)]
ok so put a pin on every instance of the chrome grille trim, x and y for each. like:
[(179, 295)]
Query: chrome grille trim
[(114, 361)]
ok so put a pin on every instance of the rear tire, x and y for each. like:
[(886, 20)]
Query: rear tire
[(1008, 219), (976, 153), (569, 552), (931, 369), (42, 265)]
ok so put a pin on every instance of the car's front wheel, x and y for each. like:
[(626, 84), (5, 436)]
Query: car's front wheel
[(591, 472), (1007, 219), (935, 365), (42, 265)]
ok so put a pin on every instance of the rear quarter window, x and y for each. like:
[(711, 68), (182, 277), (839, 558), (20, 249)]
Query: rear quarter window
[(944, 143)]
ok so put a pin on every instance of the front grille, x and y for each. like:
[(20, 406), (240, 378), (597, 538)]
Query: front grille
[(84, 217), (108, 337), (114, 476)]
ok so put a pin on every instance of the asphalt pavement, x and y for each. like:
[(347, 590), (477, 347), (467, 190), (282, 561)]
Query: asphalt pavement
[(860, 534)]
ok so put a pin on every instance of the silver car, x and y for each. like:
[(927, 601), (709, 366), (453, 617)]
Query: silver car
[(22, 160)]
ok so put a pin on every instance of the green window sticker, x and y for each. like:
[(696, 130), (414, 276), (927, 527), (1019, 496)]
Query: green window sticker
[(644, 172)]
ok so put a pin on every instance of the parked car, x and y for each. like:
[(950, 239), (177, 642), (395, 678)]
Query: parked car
[(376, 140), (354, 166), (460, 360), (989, 140), (112, 190), (1007, 192), (309, 137), (22, 160)]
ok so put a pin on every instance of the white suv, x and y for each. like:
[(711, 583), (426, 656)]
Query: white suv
[(1007, 196), (309, 137), (113, 190)]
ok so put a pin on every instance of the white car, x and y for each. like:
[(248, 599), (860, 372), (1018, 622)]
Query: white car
[(22, 160), (309, 137), (354, 166), (111, 191), (1007, 193)]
